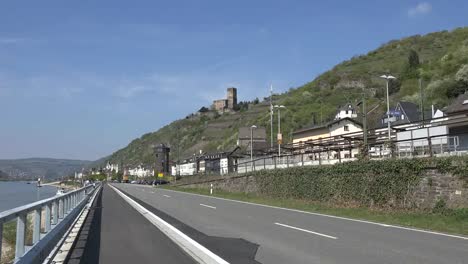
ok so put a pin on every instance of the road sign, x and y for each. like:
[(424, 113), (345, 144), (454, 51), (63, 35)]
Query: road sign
[(280, 138)]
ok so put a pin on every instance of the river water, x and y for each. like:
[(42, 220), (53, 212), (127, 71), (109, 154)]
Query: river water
[(14, 194)]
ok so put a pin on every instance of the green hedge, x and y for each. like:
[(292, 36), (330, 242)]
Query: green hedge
[(363, 183)]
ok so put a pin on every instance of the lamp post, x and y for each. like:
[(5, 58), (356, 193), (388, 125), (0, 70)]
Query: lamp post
[(388, 78), (251, 146), (279, 127)]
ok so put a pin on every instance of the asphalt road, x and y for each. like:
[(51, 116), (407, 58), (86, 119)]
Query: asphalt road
[(119, 234), (286, 236)]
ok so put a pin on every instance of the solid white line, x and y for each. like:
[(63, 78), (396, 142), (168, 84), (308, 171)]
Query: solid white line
[(166, 196), (190, 246), (209, 206), (305, 230), (325, 215)]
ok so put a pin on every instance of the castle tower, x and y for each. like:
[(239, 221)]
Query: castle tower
[(232, 98), (162, 158)]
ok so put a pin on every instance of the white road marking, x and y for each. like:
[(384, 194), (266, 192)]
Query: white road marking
[(330, 216), (209, 206), (166, 196), (200, 253), (305, 230), (152, 192)]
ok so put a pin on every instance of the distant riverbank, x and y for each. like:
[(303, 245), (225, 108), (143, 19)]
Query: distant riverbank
[(16, 193)]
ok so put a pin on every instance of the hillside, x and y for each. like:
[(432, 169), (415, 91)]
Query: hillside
[(50, 169), (440, 59)]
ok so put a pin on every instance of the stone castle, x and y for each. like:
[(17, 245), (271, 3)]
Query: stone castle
[(229, 104)]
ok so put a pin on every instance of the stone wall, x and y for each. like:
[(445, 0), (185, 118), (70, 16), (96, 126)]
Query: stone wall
[(244, 184), (436, 186), (432, 187)]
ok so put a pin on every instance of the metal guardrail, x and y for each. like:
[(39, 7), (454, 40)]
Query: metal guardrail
[(59, 212)]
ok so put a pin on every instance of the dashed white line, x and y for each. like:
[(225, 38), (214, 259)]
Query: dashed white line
[(165, 195), (209, 206), (325, 215), (305, 230)]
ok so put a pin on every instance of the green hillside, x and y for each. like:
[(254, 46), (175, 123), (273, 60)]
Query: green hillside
[(440, 59), (49, 169)]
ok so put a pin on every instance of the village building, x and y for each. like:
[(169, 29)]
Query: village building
[(112, 167)]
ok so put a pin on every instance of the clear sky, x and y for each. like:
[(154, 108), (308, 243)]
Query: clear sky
[(81, 80)]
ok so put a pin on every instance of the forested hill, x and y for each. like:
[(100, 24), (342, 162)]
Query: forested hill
[(440, 59), (48, 169)]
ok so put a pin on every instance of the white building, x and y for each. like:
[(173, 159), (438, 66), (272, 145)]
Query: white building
[(78, 175), (346, 111), (140, 172), (112, 167), (188, 169)]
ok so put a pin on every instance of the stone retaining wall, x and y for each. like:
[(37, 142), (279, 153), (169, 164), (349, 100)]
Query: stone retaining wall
[(433, 186)]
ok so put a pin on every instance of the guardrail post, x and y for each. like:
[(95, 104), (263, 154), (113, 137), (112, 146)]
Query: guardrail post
[(37, 226), (47, 219), (60, 209), (1, 237), (55, 212), (68, 203), (20, 235)]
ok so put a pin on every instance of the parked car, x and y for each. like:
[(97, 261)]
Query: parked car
[(160, 182)]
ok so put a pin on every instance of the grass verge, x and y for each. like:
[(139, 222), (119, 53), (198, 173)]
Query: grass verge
[(453, 221)]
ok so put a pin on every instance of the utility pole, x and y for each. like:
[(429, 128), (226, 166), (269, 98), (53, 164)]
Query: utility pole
[(388, 78), (280, 136), (271, 115), (364, 120), (421, 95), (178, 156), (251, 146)]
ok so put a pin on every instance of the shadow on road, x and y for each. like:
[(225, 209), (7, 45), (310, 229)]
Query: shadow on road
[(233, 250), (92, 231)]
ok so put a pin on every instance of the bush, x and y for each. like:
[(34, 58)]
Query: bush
[(380, 183)]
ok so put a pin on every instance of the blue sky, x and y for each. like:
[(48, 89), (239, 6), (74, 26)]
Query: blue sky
[(81, 80)]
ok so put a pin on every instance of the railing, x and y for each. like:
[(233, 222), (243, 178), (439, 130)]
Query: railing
[(441, 145), (53, 214)]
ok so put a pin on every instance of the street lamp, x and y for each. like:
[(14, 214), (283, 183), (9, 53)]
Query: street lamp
[(251, 146), (279, 127), (388, 78)]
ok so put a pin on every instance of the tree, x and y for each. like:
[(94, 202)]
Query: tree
[(394, 86), (410, 69), (203, 109), (413, 59), (462, 74), (256, 101)]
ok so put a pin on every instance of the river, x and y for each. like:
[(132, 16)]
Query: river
[(14, 194)]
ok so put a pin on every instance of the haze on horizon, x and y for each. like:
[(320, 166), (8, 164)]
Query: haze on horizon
[(81, 80)]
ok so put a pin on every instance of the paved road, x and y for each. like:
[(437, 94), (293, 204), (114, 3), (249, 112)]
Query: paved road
[(119, 234), (285, 236)]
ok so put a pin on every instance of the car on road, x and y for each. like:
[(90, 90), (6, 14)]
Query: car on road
[(160, 182)]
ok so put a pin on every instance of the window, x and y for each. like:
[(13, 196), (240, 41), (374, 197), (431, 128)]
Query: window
[(346, 128)]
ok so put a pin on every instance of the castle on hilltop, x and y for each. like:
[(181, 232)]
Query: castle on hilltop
[(229, 104)]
